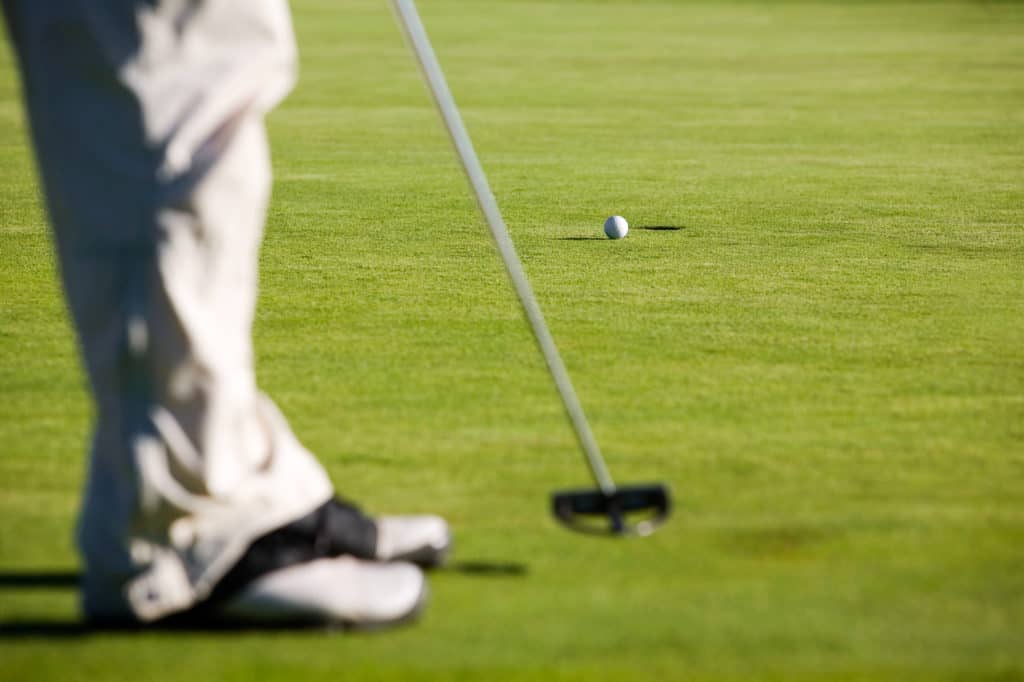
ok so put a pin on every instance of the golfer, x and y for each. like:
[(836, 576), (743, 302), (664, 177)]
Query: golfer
[(147, 122)]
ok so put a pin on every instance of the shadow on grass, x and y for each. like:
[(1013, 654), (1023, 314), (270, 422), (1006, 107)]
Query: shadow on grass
[(42, 629), (186, 623), (649, 228), (73, 629), (40, 580), (488, 569)]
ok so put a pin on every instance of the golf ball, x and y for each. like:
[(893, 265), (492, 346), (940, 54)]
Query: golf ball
[(616, 227)]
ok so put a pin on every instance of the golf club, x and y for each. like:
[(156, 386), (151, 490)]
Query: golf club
[(627, 510)]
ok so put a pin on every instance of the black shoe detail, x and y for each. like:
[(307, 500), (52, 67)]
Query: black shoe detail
[(334, 529)]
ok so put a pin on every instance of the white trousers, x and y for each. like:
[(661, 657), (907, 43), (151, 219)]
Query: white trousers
[(147, 118)]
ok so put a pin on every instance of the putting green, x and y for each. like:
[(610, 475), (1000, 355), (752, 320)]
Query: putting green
[(814, 333)]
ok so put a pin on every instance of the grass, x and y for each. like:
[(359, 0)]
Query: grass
[(825, 360)]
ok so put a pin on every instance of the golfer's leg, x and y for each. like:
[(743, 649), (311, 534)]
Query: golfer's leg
[(147, 120), (148, 128)]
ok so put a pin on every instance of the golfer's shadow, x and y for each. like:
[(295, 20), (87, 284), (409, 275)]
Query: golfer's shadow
[(38, 580), (488, 569), (70, 580), (41, 580)]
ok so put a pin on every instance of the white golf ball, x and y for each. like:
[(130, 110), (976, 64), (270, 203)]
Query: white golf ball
[(616, 227)]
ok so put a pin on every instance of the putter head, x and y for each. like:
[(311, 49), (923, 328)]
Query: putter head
[(629, 510)]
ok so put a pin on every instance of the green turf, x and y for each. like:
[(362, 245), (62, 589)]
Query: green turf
[(825, 360)]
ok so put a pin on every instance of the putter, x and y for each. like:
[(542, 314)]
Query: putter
[(608, 509)]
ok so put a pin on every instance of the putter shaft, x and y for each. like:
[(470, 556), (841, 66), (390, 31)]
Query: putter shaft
[(416, 35)]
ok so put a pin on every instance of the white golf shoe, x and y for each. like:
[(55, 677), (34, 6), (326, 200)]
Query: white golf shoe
[(339, 591), (335, 565), (423, 540)]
